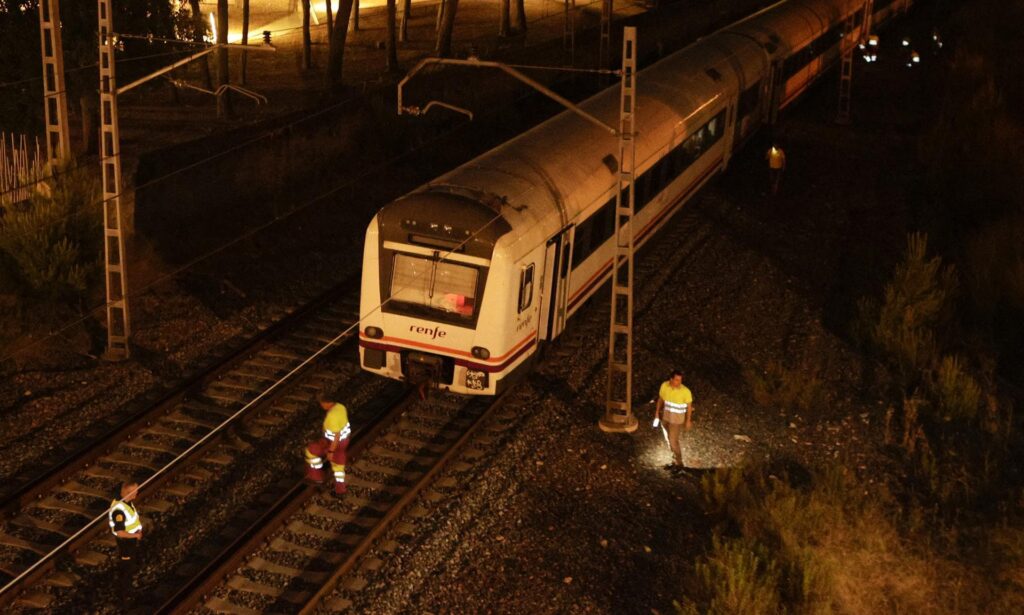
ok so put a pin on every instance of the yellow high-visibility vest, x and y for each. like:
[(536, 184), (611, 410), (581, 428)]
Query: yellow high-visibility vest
[(336, 426), (132, 524), (676, 399)]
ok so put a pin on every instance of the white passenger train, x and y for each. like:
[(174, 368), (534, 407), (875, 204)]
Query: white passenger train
[(465, 277)]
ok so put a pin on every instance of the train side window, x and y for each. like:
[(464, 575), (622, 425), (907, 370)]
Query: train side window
[(525, 288), (665, 166), (749, 100)]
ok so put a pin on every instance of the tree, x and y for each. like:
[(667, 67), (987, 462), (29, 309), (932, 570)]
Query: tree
[(198, 32), (403, 32), (307, 41), (520, 24), (444, 36), (392, 49), (336, 46), (245, 36), (330, 18), (224, 100), (503, 21)]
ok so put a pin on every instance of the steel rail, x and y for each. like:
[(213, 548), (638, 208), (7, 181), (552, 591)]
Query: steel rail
[(294, 501), (85, 455), (399, 507), (214, 572), (34, 572)]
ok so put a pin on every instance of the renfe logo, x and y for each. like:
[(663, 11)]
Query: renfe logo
[(433, 332)]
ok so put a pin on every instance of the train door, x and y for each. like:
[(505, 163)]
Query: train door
[(556, 269)]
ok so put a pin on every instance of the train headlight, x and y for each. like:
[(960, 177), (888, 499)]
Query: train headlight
[(374, 332), (480, 352), (476, 380)]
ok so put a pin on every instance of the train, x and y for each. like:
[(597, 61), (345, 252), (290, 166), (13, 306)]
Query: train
[(465, 278)]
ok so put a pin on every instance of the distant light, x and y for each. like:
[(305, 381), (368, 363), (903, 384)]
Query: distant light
[(906, 42)]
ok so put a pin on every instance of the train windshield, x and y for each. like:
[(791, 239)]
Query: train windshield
[(434, 285)]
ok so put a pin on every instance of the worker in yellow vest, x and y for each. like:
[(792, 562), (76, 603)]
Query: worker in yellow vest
[(675, 411), (127, 528), (331, 446), (776, 165)]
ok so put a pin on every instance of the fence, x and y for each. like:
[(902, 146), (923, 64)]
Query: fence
[(21, 166)]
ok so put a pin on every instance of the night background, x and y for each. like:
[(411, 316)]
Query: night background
[(854, 342)]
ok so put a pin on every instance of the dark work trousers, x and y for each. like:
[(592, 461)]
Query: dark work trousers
[(128, 564)]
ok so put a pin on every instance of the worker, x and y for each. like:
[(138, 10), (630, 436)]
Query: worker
[(331, 446), (127, 528), (675, 411), (776, 165)]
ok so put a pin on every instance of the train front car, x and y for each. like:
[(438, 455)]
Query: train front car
[(428, 311)]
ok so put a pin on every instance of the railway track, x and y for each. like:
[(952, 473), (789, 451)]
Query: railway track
[(311, 543), (174, 447)]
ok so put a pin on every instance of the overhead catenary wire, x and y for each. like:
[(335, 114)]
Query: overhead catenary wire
[(252, 232), (231, 419), (88, 313)]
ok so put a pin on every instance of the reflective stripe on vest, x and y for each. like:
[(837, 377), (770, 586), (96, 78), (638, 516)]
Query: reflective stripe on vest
[(346, 432), (672, 406), (131, 518)]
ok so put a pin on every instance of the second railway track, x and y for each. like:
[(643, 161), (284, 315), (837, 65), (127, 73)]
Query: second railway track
[(44, 518), (312, 542)]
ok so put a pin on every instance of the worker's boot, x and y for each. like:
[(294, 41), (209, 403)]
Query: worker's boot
[(340, 488), (315, 475)]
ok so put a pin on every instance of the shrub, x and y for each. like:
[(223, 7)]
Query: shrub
[(956, 393), (51, 245), (738, 576), (830, 545), (916, 302), (780, 387)]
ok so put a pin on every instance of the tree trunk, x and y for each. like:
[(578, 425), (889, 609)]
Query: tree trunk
[(403, 32), (245, 37), (355, 16), (330, 18), (224, 100), (307, 40), (198, 30), (503, 20), (440, 14), (336, 47), (520, 24), (392, 48), (444, 37)]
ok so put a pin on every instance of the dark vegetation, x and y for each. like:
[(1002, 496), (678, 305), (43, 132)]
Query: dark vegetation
[(944, 532)]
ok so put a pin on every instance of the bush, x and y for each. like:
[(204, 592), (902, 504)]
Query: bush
[(917, 301), (788, 389), (737, 576), (831, 545), (956, 393), (51, 245)]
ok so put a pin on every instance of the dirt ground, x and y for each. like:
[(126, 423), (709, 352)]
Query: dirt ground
[(566, 519)]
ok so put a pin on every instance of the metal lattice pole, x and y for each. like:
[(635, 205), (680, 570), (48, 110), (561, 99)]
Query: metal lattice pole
[(118, 323), (619, 398), (55, 96), (569, 31), (846, 73)]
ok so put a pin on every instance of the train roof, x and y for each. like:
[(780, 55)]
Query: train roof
[(550, 173), (546, 176), (787, 26)]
